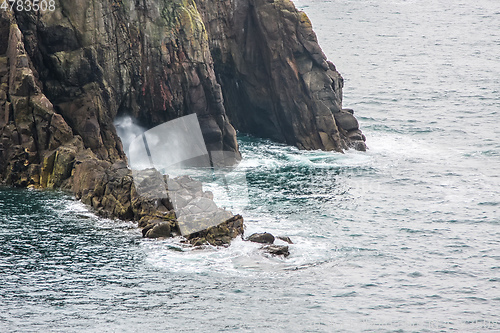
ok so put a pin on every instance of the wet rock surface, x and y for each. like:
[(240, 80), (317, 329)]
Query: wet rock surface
[(285, 239), (349, 128), (157, 229), (111, 190), (219, 235), (195, 209)]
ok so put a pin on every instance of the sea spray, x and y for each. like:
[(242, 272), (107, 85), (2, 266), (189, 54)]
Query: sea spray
[(177, 148), (127, 130)]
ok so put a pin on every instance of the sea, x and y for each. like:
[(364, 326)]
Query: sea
[(402, 238)]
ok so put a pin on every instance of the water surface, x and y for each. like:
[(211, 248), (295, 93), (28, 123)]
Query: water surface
[(402, 238)]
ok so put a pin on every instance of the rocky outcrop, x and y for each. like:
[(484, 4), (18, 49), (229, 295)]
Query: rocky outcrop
[(271, 248), (65, 76), (221, 234), (37, 146), (111, 190)]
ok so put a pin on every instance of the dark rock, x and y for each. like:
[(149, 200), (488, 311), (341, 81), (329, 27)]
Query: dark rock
[(276, 80), (277, 250), (285, 239), (263, 238), (199, 241), (358, 145), (356, 135), (346, 121), (156, 230), (220, 235), (60, 79)]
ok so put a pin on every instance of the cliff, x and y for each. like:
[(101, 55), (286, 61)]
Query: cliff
[(276, 81), (67, 74)]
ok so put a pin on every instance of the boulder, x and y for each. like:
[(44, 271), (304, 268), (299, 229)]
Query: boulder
[(346, 120), (356, 135), (220, 235), (277, 250), (157, 229), (263, 238)]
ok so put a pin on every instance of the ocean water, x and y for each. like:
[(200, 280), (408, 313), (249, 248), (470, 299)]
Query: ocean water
[(402, 238)]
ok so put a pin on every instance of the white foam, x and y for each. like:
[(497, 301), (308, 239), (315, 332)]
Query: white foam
[(127, 130)]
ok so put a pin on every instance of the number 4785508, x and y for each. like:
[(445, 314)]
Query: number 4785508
[(28, 5)]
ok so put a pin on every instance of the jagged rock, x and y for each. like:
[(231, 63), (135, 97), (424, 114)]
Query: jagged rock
[(193, 222), (356, 135), (277, 250), (4, 69), (60, 78), (358, 145), (263, 238), (220, 235)]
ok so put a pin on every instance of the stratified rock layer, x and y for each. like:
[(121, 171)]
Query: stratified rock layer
[(65, 75)]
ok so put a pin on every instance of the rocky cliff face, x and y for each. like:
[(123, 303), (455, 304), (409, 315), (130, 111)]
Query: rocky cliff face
[(65, 75), (276, 81)]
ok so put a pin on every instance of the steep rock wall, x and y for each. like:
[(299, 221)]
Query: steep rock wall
[(276, 81), (93, 60)]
